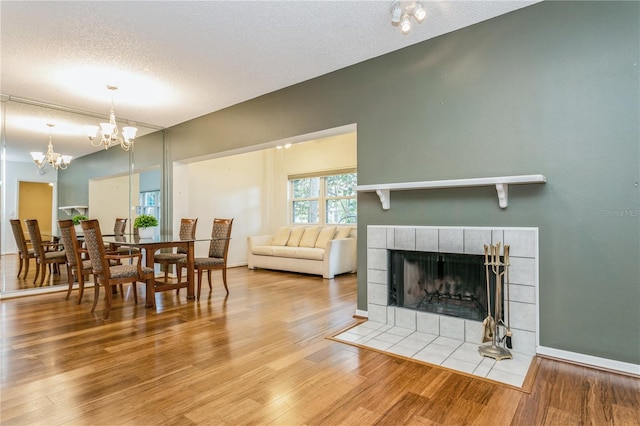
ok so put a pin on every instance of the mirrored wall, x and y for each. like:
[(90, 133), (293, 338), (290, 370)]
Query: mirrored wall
[(93, 176)]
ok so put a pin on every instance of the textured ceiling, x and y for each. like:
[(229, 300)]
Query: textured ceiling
[(177, 60)]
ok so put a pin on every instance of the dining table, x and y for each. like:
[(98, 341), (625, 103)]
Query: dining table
[(150, 246)]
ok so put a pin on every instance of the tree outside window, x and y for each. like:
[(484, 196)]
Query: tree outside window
[(324, 200)]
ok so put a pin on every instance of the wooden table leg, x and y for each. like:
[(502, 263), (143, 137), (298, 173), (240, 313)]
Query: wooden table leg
[(190, 270), (149, 253)]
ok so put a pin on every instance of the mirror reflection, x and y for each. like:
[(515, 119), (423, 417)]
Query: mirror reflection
[(47, 192)]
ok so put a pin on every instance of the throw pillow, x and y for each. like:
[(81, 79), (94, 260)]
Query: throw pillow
[(309, 237), (281, 237), (343, 232), (296, 235), (325, 235)]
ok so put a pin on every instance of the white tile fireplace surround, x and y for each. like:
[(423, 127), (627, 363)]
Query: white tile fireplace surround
[(464, 334)]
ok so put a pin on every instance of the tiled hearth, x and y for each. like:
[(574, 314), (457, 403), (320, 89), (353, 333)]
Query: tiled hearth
[(443, 340)]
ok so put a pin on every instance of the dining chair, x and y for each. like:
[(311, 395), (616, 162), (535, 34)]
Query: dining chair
[(109, 275), (217, 259), (76, 266), (48, 255), (120, 226), (24, 252), (187, 232)]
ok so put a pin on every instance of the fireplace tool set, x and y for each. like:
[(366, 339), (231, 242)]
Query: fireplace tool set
[(491, 324)]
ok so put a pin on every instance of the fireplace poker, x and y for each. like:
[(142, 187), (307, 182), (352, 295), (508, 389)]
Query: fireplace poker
[(488, 324)]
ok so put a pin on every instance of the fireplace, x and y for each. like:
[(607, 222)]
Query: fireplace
[(453, 310), (443, 283)]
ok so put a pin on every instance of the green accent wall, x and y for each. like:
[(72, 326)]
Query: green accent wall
[(73, 183), (552, 89)]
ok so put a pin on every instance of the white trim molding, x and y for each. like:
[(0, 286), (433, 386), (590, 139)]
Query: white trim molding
[(589, 360), (362, 314)]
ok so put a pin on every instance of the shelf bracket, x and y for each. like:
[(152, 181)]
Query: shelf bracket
[(82, 210), (385, 198), (503, 194)]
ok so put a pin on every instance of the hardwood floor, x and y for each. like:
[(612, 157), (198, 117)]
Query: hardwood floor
[(259, 356)]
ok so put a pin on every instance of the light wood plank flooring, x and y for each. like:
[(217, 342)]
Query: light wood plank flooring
[(259, 356)]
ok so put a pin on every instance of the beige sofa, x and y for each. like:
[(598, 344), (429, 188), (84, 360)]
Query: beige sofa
[(327, 251)]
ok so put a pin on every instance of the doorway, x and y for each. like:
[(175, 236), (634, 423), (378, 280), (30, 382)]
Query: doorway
[(35, 201)]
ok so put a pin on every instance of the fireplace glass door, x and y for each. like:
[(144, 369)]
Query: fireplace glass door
[(442, 283)]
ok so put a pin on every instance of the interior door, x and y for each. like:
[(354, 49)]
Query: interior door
[(35, 201)]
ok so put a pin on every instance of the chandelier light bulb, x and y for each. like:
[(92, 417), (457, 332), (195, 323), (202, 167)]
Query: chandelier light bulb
[(129, 133)]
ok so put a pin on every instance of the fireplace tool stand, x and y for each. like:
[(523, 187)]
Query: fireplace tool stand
[(498, 268)]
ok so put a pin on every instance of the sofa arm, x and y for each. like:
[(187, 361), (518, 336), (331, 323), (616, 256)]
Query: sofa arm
[(340, 256), (259, 240)]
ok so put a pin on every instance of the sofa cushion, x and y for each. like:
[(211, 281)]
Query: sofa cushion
[(310, 236), (309, 253), (281, 237), (284, 251), (262, 250), (296, 235), (343, 232), (324, 236)]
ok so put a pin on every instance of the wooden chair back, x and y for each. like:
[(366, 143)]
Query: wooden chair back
[(70, 242), (18, 234), (120, 226), (187, 231), (220, 234), (24, 254), (95, 247), (36, 238)]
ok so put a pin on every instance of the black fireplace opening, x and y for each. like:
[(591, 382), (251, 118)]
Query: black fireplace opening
[(444, 283)]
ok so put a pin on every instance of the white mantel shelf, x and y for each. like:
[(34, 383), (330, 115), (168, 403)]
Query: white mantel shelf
[(69, 209), (501, 183)]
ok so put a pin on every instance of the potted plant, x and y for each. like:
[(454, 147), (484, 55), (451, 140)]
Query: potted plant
[(145, 223), (76, 222)]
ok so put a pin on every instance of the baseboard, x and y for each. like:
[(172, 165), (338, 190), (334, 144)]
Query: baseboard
[(591, 361), (35, 291), (361, 314)]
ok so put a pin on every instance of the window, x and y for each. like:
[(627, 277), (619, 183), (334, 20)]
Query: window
[(323, 200)]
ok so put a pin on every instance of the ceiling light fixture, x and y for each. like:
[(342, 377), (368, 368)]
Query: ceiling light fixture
[(402, 11), (396, 12), (54, 159), (110, 133)]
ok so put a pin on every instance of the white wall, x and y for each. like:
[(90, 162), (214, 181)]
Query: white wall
[(251, 188), (23, 172), (109, 199), (229, 187)]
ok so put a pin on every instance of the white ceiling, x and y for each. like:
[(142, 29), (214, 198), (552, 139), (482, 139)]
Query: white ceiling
[(177, 60)]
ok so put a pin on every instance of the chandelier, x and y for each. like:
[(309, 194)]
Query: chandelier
[(54, 159), (110, 134), (401, 11)]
